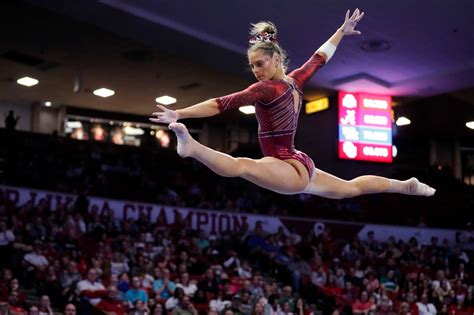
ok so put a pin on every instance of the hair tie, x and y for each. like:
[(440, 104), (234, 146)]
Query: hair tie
[(263, 37)]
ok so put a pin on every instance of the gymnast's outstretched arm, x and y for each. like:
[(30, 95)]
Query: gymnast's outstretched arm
[(204, 109), (346, 29), (211, 107), (324, 53)]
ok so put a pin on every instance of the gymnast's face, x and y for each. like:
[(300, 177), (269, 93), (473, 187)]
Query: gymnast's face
[(264, 67)]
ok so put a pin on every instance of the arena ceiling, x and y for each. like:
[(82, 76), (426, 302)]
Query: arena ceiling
[(194, 50)]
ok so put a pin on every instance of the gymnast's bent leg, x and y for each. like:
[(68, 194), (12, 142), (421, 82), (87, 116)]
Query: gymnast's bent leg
[(285, 177)]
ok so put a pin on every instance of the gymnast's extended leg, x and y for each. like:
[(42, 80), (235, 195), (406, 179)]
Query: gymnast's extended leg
[(326, 185)]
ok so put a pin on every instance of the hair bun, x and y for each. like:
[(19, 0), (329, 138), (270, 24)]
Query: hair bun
[(264, 32), (263, 27)]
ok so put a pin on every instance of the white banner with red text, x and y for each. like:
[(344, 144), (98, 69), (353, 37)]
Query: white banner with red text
[(218, 222)]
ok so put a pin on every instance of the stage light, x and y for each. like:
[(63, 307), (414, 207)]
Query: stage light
[(165, 100), (402, 121), (27, 81), (104, 92)]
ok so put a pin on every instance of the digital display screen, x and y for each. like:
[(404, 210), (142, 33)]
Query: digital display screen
[(365, 127)]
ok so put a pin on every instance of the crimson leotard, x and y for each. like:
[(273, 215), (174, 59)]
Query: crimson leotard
[(276, 112)]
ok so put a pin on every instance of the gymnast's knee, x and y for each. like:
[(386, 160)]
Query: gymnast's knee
[(352, 189), (243, 167)]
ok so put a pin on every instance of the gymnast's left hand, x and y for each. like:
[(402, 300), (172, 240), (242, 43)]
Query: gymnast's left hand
[(348, 28), (166, 116)]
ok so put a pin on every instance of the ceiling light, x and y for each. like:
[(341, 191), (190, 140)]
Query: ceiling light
[(48, 104), (165, 100), (470, 124), (131, 131), (103, 92), (27, 81), (402, 121), (74, 124), (248, 109)]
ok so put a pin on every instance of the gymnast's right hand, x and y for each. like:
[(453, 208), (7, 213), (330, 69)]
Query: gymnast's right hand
[(166, 116)]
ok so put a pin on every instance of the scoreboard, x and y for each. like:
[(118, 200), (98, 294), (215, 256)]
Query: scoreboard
[(365, 127)]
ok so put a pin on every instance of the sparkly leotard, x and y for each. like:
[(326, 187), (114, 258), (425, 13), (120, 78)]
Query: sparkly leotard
[(276, 112)]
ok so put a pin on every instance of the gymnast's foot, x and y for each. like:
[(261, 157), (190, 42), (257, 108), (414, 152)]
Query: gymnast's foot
[(186, 143), (412, 187)]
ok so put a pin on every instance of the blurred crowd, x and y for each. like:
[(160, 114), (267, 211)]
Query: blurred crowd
[(89, 263)]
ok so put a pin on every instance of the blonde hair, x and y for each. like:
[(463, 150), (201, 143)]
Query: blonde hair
[(268, 47)]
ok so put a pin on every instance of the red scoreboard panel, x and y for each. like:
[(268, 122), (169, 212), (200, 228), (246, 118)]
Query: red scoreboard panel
[(365, 127)]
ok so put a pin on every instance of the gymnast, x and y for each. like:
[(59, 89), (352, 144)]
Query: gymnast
[(277, 97)]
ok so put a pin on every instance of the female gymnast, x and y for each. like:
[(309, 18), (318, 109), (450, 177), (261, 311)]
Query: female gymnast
[(278, 99)]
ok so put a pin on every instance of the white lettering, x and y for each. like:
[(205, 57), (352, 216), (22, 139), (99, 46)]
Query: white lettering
[(378, 104), (375, 120), (371, 151), (375, 135)]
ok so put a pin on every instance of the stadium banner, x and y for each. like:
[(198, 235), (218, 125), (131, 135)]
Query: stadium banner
[(218, 222)]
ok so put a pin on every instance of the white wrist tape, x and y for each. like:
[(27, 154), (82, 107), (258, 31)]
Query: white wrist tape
[(328, 49)]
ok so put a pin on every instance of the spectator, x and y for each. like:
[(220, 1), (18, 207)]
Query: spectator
[(90, 290), (36, 262), (235, 306), (45, 306), (11, 121), (4, 308), (33, 310), (158, 310), (255, 288), (209, 284), (164, 288), (257, 309), (16, 303), (363, 305), (213, 311), (188, 286), (16, 293), (385, 306), (70, 309), (301, 308), (220, 302), (185, 307), (319, 277), (36, 230), (424, 307), (111, 303), (286, 309), (123, 283), (404, 309), (245, 271), (136, 292), (68, 280), (287, 296), (272, 307), (389, 283), (139, 308), (118, 265), (245, 306), (298, 268), (173, 301), (51, 286), (7, 237)]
